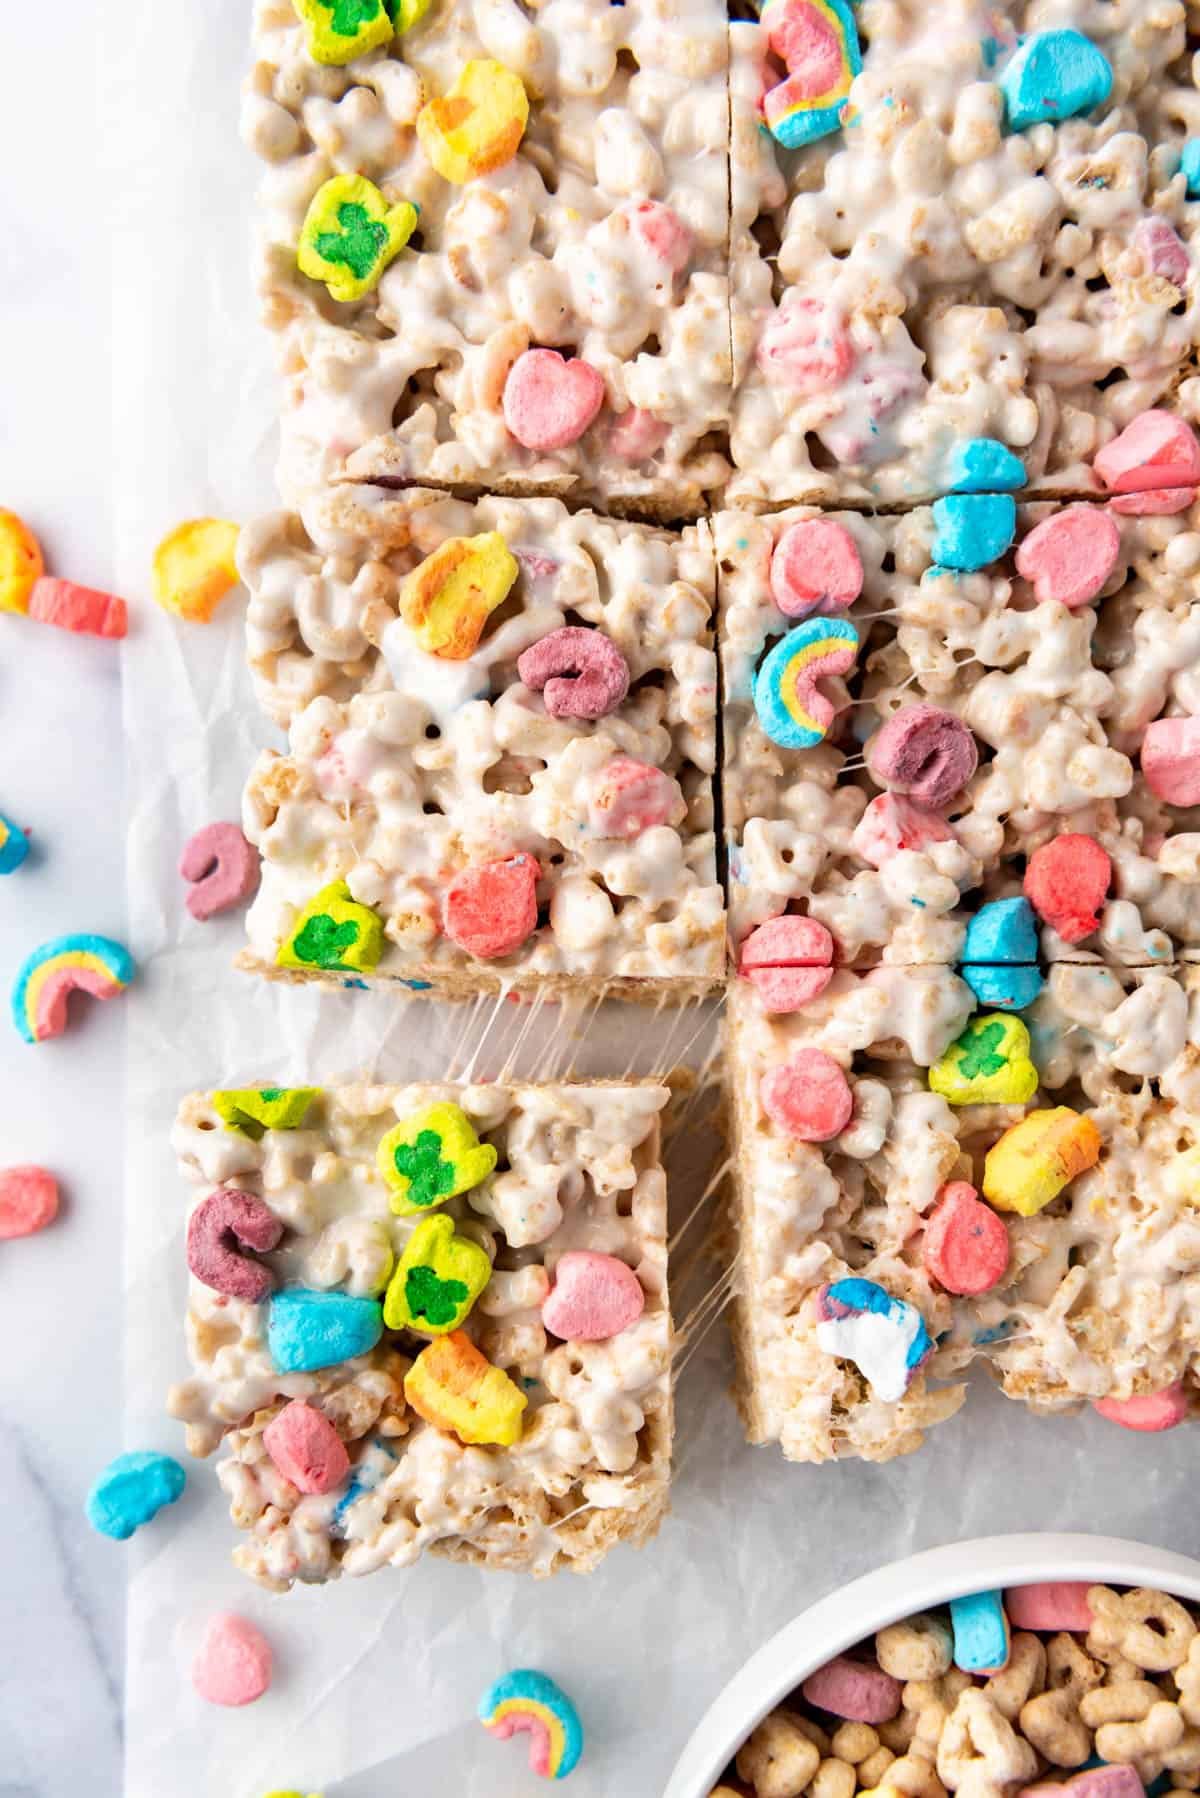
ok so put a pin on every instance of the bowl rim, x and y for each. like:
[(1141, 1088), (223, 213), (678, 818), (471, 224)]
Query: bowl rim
[(893, 1591)]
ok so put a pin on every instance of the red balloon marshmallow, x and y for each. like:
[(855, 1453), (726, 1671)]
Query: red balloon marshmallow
[(491, 909), (965, 1245), (808, 1096), (1066, 882)]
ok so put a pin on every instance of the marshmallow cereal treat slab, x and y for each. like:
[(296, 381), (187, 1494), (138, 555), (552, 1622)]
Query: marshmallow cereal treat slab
[(921, 1181), (494, 244), (501, 723), (932, 715), (955, 222), (429, 1316)]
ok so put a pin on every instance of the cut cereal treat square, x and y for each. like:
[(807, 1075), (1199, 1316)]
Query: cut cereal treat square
[(494, 247), (918, 731), (954, 223), (501, 722), (429, 1316), (917, 1185), (838, 1150)]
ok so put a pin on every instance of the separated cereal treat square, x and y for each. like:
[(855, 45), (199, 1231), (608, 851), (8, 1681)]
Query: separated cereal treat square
[(953, 223), (918, 1183), (501, 747), (1088, 1690), (429, 1316), (962, 735), (494, 244)]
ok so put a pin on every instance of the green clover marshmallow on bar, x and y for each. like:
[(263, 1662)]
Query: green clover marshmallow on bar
[(334, 932), (431, 1157), (437, 1280), (350, 234)]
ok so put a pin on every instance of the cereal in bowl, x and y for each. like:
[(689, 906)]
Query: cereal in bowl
[(376, 1346), (1091, 1694)]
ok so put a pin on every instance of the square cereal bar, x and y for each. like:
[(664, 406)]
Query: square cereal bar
[(494, 839), (597, 233), (952, 247), (1063, 660), (433, 1235), (1075, 1274)]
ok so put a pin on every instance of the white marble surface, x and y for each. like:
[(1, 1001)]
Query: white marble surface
[(60, 771)]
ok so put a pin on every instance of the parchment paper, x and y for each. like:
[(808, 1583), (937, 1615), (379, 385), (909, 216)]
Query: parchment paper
[(377, 1680)]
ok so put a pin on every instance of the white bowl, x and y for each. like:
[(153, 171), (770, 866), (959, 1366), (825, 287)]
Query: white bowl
[(890, 1593)]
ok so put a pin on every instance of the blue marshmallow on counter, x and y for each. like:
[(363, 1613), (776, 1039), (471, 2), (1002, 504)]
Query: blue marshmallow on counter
[(131, 1490)]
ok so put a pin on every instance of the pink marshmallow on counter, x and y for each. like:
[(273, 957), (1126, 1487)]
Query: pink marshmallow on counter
[(1070, 555), (1155, 502), (1147, 1412), (855, 1690), (1171, 760), (1156, 449), (28, 1201), (222, 867), (1049, 1605), (663, 233), (1160, 244), (815, 567), (808, 1096), (892, 823), (549, 402), (594, 1297), (233, 1666), (306, 1448), (636, 435), (789, 961)]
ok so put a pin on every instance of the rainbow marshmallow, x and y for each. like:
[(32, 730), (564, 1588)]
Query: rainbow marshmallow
[(818, 41), (68, 964), (791, 707), (530, 1701)]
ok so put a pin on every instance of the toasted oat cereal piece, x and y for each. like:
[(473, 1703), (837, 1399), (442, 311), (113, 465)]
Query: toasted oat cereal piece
[(953, 262), (494, 836), (328, 1466), (570, 167)]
